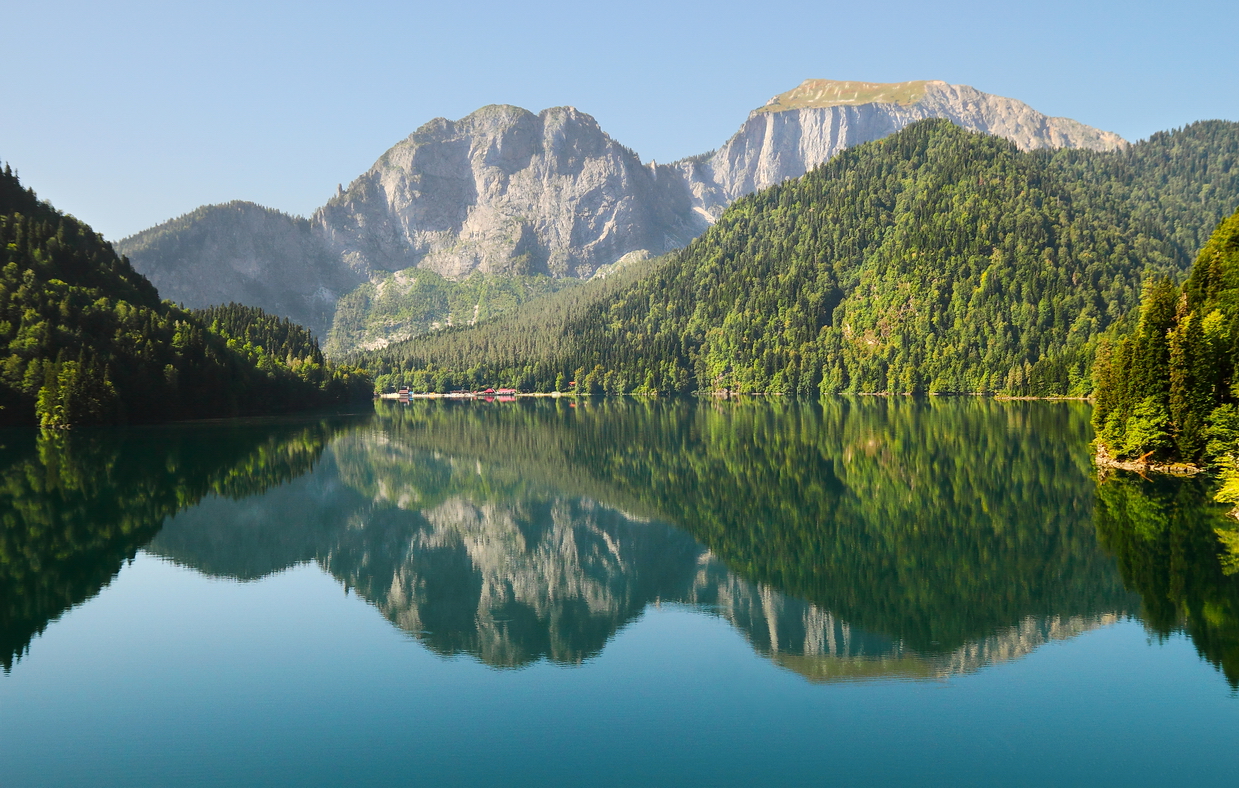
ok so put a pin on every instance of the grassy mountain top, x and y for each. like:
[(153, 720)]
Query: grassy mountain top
[(813, 93)]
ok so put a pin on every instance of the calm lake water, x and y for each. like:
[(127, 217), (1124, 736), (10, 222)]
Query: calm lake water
[(612, 593)]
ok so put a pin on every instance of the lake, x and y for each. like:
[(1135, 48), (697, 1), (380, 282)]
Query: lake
[(861, 591)]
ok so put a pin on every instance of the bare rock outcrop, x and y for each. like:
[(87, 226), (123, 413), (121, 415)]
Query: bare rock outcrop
[(507, 191)]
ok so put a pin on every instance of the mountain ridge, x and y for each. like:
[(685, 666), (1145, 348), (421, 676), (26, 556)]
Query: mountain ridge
[(506, 191)]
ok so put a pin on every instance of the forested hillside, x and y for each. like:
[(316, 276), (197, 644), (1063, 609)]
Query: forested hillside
[(84, 339), (527, 346), (1166, 391), (287, 354), (933, 260)]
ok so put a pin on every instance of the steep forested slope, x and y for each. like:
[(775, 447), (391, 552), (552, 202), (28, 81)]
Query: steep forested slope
[(1167, 389), (528, 347), (933, 260), (84, 339)]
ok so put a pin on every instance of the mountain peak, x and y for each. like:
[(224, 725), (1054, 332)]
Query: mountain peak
[(814, 93)]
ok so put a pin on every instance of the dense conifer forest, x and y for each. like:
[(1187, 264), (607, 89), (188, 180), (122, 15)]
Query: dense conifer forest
[(1167, 390), (935, 260), (84, 339)]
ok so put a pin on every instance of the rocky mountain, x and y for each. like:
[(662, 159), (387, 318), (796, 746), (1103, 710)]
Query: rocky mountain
[(507, 192), (808, 125)]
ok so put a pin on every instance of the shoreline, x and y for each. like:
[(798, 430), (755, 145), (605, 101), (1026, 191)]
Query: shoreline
[(725, 394), (1104, 461)]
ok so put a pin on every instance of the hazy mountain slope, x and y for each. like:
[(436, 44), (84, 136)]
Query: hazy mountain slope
[(414, 301), (244, 253), (798, 130)]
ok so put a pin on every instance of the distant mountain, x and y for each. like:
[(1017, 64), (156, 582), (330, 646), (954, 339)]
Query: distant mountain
[(808, 125), (507, 192), (244, 253)]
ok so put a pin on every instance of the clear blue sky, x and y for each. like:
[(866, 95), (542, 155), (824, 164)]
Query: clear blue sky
[(129, 113)]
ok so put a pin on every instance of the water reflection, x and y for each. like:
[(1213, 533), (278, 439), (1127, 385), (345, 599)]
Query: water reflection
[(1164, 534), (74, 507), (852, 539), (860, 538)]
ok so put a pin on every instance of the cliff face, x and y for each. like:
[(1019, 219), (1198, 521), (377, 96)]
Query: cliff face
[(798, 130), (506, 191), (245, 253)]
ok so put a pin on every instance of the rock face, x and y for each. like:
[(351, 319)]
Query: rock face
[(245, 253), (504, 191), (507, 191), (804, 127)]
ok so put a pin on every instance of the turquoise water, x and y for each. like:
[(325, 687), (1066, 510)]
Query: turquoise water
[(857, 592)]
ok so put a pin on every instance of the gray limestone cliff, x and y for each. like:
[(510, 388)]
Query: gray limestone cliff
[(804, 127), (507, 191)]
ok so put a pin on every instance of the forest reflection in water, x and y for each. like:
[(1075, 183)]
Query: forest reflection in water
[(848, 539)]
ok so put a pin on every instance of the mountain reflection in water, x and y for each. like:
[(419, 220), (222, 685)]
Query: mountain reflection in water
[(849, 539)]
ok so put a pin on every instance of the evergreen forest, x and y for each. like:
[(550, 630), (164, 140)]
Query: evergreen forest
[(935, 260), (1168, 390), (84, 339)]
